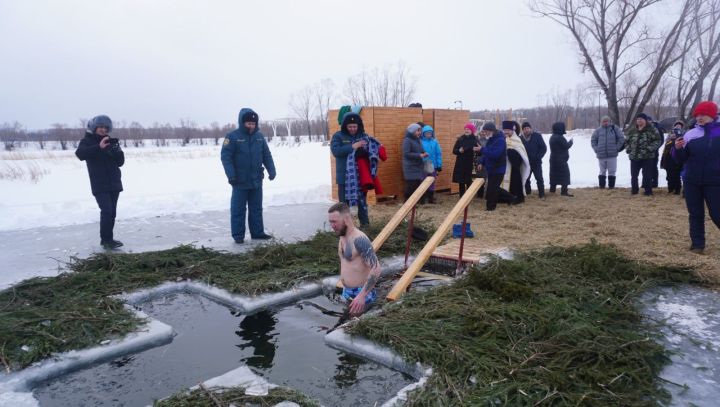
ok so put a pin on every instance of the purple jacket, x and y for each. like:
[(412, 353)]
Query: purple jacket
[(701, 155)]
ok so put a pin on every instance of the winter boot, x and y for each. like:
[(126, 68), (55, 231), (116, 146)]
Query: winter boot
[(611, 182), (552, 189), (528, 190), (541, 191), (431, 197), (564, 191), (601, 181)]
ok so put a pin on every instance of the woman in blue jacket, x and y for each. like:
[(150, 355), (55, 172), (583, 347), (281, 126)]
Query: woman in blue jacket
[(432, 147)]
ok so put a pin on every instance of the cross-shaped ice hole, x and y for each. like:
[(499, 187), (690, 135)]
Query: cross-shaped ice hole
[(285, 345)]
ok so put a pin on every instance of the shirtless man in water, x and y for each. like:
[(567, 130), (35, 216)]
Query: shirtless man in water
[(359, 266)]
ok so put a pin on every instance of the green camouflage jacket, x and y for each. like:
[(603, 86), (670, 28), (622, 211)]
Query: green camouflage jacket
[(642, 144)]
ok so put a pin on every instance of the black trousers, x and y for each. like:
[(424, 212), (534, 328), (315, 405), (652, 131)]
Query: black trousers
[(673, 180), (647, 174), (411, 186), (107, 201), (463, 187), (492, 192), (536, 170)]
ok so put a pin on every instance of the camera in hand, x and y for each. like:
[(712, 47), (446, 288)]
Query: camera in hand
[(114, 141)]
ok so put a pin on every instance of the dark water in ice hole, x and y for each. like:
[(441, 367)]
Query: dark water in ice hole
[(284, 345)]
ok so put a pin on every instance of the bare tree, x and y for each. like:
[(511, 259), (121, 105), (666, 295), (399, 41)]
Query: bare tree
[(10, 134), (302, 104), (700, 59), (187, 129), (614, 43), (382, 87), (324, 94)]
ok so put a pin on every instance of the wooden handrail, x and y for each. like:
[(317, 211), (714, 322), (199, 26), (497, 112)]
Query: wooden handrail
[(422, 257), (395, 221)]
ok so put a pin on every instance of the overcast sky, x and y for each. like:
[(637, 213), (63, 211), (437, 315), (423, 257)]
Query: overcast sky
[(162, 60)]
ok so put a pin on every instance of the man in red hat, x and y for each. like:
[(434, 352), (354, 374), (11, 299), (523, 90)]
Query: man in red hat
[(699, 151)]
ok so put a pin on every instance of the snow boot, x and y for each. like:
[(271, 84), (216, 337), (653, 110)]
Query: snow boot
[(611, 182), (601, 181), (541, 191), (431, 197), (564, 191), (111, 245)]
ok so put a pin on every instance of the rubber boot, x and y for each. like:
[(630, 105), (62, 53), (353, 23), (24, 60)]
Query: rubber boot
[(564, 191), (611, 182), (601, 181)]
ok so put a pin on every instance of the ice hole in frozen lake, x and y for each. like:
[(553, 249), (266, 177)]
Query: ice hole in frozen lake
[(283, 344)]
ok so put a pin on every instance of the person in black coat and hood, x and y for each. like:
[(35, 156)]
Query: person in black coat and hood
[(465, 148), (104, 158), (559, 156)]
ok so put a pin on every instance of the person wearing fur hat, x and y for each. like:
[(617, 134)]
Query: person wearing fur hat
[(672, 168), (103, 157), (518, 166), (642, 143), (432, 147), (465, 148), (699, 151), (245, 156), (412, 159), (559, 157), (536, 149), (607, 141)]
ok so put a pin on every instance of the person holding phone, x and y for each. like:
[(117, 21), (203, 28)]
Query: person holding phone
[(103, 157), (672, 168), (699, 151)]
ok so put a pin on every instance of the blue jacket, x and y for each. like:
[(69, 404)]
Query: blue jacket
[(535, 147), (341, 145), (103, 165), (607, 141), (701, 155), (494, 154), (432, 147), (244, 155)]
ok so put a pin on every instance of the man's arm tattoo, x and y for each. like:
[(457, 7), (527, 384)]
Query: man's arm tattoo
[(370, 283), (366, 252)]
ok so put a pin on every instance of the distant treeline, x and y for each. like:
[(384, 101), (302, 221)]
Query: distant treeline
[(12, 134)]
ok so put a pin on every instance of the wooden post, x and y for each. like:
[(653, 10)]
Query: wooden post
[(434, 241)]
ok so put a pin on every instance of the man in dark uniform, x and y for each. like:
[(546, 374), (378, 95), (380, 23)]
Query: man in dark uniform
[(104, 158), (245, 156)]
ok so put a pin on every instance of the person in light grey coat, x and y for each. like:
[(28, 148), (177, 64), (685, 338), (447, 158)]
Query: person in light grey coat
[(412, 159), (607, 141)]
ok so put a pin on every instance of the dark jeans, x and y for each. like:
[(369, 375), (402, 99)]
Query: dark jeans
[(362, 204), (107, 201), (647, 174), (536, 170), (246, 201), (696, 196), (492, 193)]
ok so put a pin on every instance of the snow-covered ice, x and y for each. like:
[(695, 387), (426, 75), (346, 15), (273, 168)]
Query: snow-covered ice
[(156, 180)]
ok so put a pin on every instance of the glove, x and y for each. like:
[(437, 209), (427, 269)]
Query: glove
[(272, 177), (438, 169), (232, 181)]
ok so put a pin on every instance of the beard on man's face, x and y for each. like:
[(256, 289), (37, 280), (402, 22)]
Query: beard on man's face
[(342, 231)]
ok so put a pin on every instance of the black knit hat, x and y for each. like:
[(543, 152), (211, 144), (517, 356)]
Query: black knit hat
[(249, 117), (508, 125), (489, 126), (525, 124), (644, 117)]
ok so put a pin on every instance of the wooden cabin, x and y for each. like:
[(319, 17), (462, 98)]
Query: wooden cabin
[(387, 125)]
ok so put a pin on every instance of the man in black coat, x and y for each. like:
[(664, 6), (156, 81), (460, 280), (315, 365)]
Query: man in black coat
[(104, 158), (536, 150), (559, 156)]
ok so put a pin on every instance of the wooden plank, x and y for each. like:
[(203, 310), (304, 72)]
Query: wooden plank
[(404, 210), (434, 241)]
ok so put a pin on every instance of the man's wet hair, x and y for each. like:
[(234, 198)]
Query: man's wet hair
[(340, 207)]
